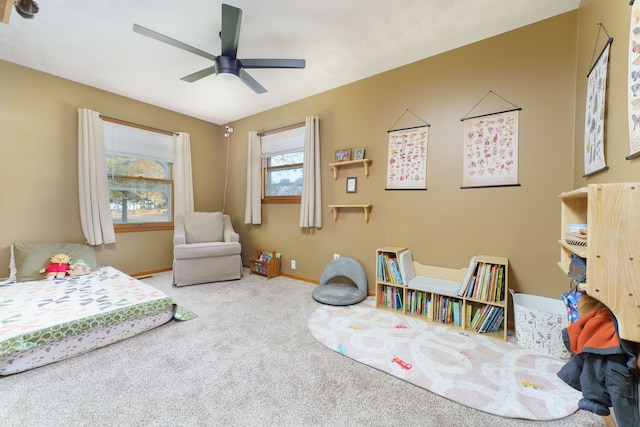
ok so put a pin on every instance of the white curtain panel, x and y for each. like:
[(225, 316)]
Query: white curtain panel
[(253, 206), (311, 200), (95, 212), (182, 174)]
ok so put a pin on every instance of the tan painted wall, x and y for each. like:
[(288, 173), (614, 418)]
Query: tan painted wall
[(532, 67), (38, 165), (540, 68), (615, 16)]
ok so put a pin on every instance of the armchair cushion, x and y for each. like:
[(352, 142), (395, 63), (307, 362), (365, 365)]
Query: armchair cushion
[(204, 227), (206, 250)]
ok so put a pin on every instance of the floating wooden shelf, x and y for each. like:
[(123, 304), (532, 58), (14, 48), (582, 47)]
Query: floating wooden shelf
[(365, 162), (336, 208)]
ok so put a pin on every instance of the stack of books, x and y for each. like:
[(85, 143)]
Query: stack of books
[(388, 270), (487, 284), (487, 319)]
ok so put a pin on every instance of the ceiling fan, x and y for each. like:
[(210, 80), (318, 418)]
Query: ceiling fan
[(227, 62)]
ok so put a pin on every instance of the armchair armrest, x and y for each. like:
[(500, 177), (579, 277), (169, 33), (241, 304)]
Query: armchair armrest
[(229, 234), (179, 235)]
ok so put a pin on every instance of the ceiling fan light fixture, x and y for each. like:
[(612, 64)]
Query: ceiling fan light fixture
[(26, 8), (226, 77)]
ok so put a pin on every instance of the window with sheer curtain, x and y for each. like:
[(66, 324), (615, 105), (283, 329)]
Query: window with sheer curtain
[(283, 165), (139, 169)]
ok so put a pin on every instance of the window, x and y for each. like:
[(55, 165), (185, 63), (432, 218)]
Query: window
[(282, 160), (140, 178)]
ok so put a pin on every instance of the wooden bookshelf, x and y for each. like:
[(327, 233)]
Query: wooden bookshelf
[(612, 251), (480, 305), (265, 263)]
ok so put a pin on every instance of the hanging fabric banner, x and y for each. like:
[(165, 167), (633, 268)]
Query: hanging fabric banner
[(634, 82), (594, 115), (407, 162), (491, 150)]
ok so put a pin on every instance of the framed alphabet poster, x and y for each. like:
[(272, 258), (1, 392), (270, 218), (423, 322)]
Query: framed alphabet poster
[(491, 150)]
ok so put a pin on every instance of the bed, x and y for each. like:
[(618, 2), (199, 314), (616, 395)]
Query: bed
[(44, 321)]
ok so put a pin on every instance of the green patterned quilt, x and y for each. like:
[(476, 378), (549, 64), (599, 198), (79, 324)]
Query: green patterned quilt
[(41, 312)]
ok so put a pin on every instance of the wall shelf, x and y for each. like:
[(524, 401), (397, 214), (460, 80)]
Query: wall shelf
[(336, 208), (364, 162)]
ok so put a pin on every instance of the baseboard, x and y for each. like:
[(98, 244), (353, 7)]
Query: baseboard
[(150, 272), (292, 276), (304, 279)]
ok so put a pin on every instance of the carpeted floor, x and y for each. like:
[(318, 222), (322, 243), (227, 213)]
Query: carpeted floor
[(247, 359)]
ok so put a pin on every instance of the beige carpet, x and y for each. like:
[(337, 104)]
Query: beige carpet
[(247, 359)]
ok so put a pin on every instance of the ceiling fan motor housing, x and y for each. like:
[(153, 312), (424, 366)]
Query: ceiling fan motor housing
[(225, 64)]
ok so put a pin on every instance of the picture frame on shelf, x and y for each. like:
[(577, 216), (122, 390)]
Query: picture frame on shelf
[(343, 155), (352, 184), (358, 154)]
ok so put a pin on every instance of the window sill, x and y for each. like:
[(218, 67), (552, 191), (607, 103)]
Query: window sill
[(131, 228), (284, 200)]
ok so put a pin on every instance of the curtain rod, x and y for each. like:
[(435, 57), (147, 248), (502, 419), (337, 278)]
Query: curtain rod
[(137, 125), (281, 128)]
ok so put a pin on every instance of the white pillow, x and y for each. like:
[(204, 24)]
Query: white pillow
[(406, 267)]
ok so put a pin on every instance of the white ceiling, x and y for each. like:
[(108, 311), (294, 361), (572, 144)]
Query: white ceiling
[(92, 42)]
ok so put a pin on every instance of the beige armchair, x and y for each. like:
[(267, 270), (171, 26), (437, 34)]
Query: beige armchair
[(205, 249)]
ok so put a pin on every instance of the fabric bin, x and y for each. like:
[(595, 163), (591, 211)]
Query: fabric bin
[(539, 322)]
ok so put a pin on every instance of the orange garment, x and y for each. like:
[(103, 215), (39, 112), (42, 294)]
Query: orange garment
[(593, 330)]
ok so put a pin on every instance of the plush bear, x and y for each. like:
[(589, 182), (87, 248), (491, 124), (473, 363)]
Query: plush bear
[(58, 267), (79, 267)]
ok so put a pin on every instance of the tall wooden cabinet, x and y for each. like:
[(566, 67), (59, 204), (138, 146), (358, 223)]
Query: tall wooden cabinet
[(612, 215), (479, 305)]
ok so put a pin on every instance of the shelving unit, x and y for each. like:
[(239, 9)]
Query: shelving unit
[(483, 311), (336, 208), (364, 162), (573, 210), (265, 263), (612, 251)]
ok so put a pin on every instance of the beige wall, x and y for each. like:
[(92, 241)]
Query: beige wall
[(540, 68), (38, 165), (615, 16), (532, 67)]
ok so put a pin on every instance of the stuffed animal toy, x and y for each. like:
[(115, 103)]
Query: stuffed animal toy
[(58, 267), (79, 267)]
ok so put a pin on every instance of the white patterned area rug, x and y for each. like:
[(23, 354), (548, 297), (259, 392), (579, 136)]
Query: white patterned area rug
[(483, 373)]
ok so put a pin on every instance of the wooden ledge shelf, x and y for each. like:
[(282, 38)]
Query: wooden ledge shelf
[(365, 162), (336, 208)]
